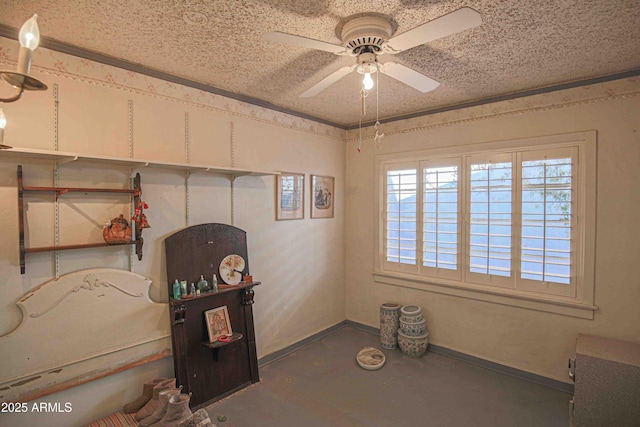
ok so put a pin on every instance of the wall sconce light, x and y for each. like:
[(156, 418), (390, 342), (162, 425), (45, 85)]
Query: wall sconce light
[(3, 124), (29, 39)]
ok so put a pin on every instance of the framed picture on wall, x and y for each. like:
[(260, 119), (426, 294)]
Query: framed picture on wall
[(322, 196), (289, 196), (218, 323)]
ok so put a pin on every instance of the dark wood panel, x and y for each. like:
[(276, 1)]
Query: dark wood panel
[(210, 373), (199, 250)]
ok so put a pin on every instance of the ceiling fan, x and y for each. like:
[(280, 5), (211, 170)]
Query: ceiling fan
[(367, 37)]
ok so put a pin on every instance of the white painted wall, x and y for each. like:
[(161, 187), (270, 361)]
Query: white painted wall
[(529, 340), (300, 263)]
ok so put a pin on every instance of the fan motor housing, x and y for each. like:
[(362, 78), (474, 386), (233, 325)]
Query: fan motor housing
[(370, 31)]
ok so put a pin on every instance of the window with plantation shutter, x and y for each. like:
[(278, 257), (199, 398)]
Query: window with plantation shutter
[(547, 221), (490, 218), (440, 219), (401, 207), (513, 218)]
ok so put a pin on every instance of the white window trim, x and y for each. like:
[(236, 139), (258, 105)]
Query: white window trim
[(583, 305)]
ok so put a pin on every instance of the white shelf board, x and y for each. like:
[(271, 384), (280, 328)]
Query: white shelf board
[(64, 157)]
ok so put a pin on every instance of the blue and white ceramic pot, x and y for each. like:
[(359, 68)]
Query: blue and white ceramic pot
[(389, 324)]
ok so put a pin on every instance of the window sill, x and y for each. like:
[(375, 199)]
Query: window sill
[(497, 296)]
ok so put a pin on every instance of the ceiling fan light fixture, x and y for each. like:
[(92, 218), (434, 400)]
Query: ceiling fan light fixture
[(367, 36), (367, 82), (367, 63), (369, 68)]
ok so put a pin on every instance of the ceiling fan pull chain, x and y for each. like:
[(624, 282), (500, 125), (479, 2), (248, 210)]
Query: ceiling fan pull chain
[(360, 135), (378, 136), (377, 139)]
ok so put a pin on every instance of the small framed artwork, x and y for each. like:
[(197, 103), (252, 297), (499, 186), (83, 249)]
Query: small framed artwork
[(218, 323), (289, 196), (322, 196)]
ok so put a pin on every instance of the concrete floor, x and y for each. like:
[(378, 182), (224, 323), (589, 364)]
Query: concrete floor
[(322, 385)]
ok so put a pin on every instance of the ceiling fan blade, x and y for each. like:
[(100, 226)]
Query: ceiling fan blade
[(327, 81), (291, 39), (409, 77), (451, 23)]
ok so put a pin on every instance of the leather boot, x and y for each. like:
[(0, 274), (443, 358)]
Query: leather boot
[(199, 419), (177, 411), (152, 405), (144, 398), (163, 399)]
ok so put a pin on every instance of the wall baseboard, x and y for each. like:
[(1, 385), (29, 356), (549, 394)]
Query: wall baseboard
[(503, 369), (497, 367)]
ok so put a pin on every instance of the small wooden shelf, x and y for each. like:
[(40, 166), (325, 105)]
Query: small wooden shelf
[(222, 288), (217, 344), (136, 192), (82, 246)]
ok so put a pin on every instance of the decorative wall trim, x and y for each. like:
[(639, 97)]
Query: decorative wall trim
[(117, 74), (63, 65), (548, 101), (507, 97), (55, 45)]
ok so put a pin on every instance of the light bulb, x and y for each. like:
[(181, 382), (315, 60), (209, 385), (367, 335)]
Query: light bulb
[(29, 39), (367, 82), (30, 33)]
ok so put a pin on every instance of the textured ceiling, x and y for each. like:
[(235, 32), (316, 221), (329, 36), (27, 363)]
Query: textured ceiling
[(521, 45)]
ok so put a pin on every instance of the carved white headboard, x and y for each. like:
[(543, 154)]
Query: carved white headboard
[(85, 325)]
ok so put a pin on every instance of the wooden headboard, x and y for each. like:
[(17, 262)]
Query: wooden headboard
[(80, 327)]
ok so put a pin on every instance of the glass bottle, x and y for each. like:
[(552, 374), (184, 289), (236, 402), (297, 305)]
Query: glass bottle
[(183, 288), (203, 286), (176, 290), (214, 283)]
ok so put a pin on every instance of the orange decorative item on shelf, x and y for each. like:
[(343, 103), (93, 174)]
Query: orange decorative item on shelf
[(139, 216), (117, 230)]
